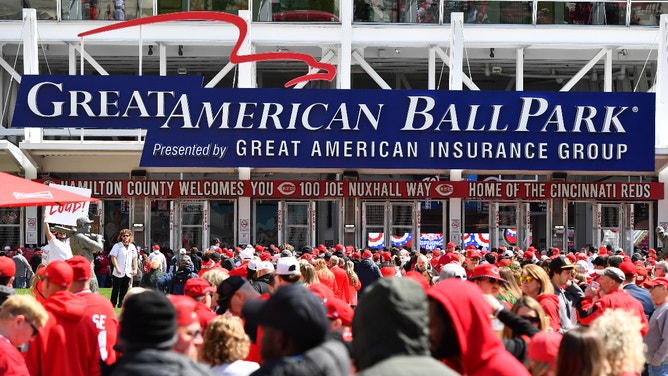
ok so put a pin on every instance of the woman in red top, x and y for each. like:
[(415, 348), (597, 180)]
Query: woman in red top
[(325, 275), (355, 283), (536, 284)]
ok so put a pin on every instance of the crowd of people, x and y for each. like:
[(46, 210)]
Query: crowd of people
[(281, 310)]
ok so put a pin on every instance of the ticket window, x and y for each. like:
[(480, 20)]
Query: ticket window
[(476, 223), (610, 232), (222, 222), (266, 222), (298, 223), (116, 217), (161, 222), (192, 215), (432, 219), (389, 224)]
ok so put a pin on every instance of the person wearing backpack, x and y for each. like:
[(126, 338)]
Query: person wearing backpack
[(175, 281)]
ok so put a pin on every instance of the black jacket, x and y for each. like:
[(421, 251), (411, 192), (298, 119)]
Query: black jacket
[(328, 359), (152, 362), (368, 272)]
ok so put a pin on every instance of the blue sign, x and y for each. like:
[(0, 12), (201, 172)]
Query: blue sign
[(191, 126)]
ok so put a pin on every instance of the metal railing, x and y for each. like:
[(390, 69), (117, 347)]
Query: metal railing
[(626, 13)]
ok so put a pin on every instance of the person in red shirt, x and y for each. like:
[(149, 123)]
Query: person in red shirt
[(592, 306), (342, 282), (473, 256), (98, 309), (68, 344), (461, 334), (20, 318), (202, 292)]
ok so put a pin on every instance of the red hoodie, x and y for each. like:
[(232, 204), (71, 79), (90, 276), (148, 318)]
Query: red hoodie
[(67, 344), (550, 304), (482, 352)]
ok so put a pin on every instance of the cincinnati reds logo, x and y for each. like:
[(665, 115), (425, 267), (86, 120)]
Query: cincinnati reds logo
[(235, 58), (287, 188)]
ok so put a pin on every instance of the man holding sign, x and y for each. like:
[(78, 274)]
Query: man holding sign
[(59, 246)]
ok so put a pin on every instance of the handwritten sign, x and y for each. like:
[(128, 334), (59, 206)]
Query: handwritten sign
[(67, 214)]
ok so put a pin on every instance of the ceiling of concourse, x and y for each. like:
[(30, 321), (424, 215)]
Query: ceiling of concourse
[(401, 67)]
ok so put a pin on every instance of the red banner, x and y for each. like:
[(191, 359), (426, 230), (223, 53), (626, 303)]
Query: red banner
[(324, 189)]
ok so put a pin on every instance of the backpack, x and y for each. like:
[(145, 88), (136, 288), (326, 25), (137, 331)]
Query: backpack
[(179, 282)]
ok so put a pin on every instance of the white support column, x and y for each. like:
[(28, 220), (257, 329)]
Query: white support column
[(431, 69), (456, 50), (455, 209), (661, 89), (247, 72), (30, 66), (30, 62), (662, 205), (344, 70), (519, 63), (607, 72), (244, 209), (162, 52)]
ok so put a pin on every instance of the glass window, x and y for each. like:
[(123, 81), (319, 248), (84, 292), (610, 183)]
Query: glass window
[(266, 225), (10, 227), (476, 223), (116, 218), (160, 213), (296, 10), (222, 222)]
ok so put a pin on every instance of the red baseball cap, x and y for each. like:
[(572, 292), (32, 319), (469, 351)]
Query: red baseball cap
[(58, 272), (387, 256), (544, 347), (7, 267), (450, 245), (185, 309), (156, 247), (504, 262), (663, 281), (473, 253), (367, 254), (449, 258), (81, 270), (487, 270), (197, 287), (627, 268), (339, 309)]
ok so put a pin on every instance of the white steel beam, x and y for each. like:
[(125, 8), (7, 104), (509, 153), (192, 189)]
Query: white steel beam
[(456, 51), (581, 73), (90, 60), (326, 58), (465, 79), (370, 71), (661, 88)]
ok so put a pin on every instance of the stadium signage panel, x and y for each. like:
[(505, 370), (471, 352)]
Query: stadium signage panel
[(191, 126), (284, 189)]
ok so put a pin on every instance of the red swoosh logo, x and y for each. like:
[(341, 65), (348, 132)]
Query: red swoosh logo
[(235, 58)]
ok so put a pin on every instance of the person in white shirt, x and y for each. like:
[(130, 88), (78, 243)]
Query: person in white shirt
[(156, 254), (123, 267), (59, 246)]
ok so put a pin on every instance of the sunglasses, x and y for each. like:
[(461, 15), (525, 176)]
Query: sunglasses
[(34, 328), (534, 320), (125, 236), (526, 279), (474, 258)]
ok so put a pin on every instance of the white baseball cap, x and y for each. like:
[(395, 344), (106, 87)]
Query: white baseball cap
[(247, 253), (182, 251), (287, 266)]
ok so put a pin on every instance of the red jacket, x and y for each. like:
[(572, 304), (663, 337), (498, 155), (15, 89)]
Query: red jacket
[(11, 361), (102, 314), (550, 304), (67, 344), (481, 352), (588, 311), (342, 292)]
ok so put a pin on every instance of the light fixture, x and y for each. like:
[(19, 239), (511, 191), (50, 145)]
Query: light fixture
[(396, 50), (491, 53), (180, 50), (150, 50), (182, 70)]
